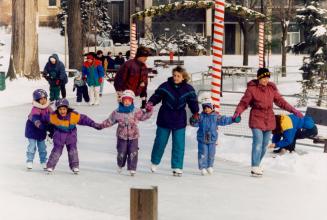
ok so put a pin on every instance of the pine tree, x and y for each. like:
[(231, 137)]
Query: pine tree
[(311, 22), (94, 14)]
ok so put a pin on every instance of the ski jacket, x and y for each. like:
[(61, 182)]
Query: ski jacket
[(261, 99), (65, 131), (174, 97), (289, 125), (36, 128), (130, 75), (207, 124), (93, 72), (54, 72), (127, 122)]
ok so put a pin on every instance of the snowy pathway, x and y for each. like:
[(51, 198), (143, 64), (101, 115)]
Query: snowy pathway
[(100, 193)]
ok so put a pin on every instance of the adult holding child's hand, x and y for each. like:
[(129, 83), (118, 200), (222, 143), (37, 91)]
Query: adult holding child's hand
[(261, 95)]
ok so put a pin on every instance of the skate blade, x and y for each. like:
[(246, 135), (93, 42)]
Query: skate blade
[(256, 175), (177, 174)]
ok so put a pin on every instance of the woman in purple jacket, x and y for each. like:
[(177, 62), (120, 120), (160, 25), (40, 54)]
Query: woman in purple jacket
[(64, 120), (260, 95)]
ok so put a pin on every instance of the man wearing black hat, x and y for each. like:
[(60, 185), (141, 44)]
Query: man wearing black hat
[(133, 75)]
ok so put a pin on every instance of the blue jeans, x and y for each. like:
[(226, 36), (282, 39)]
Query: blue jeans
[(259, 145), (206, 155), (31, 148), (160, 142)]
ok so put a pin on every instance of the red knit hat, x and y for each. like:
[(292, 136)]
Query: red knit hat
[(89, 57)]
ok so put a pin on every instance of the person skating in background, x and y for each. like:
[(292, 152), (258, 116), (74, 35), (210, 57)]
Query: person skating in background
[(65, 120), (207, 134), (261, 95), (81, 87), (93, 73), (288, 129), (174, 94), (36, 130), (119, 60), (104, 63), (127, 118), (111, 62), (133, 75), (54, 72)]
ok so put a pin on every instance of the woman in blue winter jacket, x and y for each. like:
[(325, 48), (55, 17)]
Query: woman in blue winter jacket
[(207, 134), (174, 94)]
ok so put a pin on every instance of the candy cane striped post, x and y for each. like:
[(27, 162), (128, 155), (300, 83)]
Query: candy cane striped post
[(261, 44), (133, 42), (217, 46)]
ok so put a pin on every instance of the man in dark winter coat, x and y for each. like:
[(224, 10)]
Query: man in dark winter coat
[(54, 72), (133, 75), (119, 60)]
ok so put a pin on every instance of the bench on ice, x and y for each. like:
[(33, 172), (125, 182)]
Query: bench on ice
[(111, 73), (319, 116), (168, 62)]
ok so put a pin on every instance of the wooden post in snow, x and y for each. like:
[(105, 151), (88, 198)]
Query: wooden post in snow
[(144, 203)]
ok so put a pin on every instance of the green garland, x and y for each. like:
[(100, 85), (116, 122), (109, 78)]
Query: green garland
[(236, 10)]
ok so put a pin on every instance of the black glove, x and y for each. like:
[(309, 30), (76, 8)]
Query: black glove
[(143, 104)]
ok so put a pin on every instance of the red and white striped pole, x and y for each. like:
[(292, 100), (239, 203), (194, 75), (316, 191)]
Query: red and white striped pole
[(217, 46), (133, 42), (261, 44)]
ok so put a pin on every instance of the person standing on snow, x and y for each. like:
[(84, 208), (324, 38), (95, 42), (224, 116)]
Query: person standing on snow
[(260, 95), (133, 75), (207, 134), (54, 72), (174, 94), (93, 73)]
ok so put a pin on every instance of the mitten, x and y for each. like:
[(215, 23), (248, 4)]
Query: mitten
[(57, 82), (100, 80), (297, 113), (148, 106), (235, 116), (143, 104), (237, 119), (84, 78)]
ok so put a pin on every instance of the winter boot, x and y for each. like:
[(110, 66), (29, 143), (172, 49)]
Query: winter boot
[(153, 168)]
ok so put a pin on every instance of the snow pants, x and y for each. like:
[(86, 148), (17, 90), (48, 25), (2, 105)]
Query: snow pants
[(94, 93), (206, 155), (82, 93), (160, 142), (54, 92), (57, 151), (127, 150)]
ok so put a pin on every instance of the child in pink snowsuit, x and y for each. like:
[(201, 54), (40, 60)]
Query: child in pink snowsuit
[(127, 117)]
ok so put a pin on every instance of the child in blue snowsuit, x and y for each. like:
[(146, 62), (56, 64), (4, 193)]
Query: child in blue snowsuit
[(207, 134), (36, 130)]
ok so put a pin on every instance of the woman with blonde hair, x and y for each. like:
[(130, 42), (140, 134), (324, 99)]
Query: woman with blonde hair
[(174, 94)]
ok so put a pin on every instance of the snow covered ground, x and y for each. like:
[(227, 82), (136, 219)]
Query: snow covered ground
[(293, 186)]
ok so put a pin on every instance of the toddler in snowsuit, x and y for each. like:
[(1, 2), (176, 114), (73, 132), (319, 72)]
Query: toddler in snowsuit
[(35, 130), (127, 117), (64, 120), (207, 134), (81, 87)]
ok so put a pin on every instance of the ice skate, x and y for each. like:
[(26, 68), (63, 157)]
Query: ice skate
[(75, 170), (256, 172), (204, 172), (119, 170), (177, 172), (132, 172), (29, 165), (153, 168), (44, 166), (210, 170), (49, 170)]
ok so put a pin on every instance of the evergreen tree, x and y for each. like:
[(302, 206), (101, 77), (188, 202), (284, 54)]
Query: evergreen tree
[(94, 15), (311, 22)]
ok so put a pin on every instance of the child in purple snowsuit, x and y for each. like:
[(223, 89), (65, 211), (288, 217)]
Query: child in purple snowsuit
[(64, 120), (207, 134), (35, 130), (127, 117)]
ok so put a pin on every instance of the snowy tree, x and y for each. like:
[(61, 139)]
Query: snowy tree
[(311, 21), (94, 16), (24, 59)]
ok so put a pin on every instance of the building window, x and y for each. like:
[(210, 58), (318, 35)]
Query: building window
[(52, 3)]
